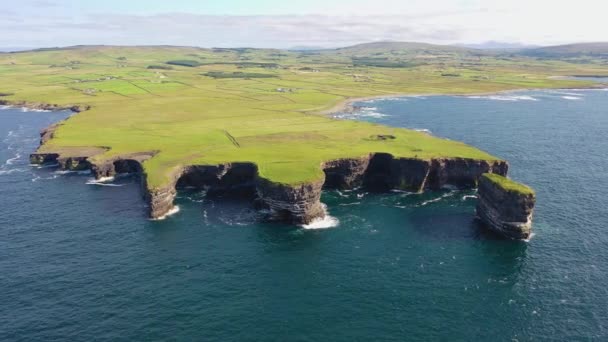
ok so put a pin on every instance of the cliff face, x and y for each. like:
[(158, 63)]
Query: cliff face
[(293, 204), (505, 211), (297, 204)]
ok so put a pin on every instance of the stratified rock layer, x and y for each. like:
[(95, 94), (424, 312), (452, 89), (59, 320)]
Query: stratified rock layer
[(301, 203), (505, 211)]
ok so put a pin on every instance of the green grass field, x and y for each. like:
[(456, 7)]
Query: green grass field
[(210, 106), (508, 185)]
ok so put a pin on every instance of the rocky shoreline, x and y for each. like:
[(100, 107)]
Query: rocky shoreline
[(45, 106), (294, 203)]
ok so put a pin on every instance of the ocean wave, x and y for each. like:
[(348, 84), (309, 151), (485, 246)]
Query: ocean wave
[(512, 98), (103, 181), (530, 237), (322, 223), (434, 200), (11, 171), (573, 98), (171, 212), (44, 166), (349, 204), (399, 191), (37, 178), (466, 197), (566, 93), (370, 114), (68, 172), (423, 130), (11, 161), (341, 194)]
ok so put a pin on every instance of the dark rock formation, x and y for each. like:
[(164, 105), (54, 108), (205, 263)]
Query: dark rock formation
[(505, 207), (345, 173), (225, 179), (43, 158), (297, 204), (462, 173), (48, 133)]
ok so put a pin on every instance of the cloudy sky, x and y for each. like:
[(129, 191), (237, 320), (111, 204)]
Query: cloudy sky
[(287, 23)]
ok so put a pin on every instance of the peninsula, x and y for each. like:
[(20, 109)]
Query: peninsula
[(253, 121)]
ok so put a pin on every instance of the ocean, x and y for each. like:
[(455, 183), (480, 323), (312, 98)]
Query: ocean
[(80, 261)]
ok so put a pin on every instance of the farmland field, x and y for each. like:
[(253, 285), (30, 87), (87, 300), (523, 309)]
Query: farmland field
[(194, 106)]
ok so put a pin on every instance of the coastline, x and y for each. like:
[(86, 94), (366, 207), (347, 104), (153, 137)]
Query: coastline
[(42, 107), (346, 105)]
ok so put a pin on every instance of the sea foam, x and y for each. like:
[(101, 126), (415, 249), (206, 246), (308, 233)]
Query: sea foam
[(322, 223), (512, 98), (171, 212)]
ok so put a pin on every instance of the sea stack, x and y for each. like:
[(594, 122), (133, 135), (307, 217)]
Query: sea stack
[(505, 206)]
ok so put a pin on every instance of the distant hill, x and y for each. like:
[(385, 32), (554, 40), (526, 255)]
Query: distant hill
[(496, 45), (409, 47), (570, 50), (305, 48)]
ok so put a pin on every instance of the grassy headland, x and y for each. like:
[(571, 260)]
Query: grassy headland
[(210, 106)]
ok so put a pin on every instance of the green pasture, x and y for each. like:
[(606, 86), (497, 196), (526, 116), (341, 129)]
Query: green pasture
[(211, 106)]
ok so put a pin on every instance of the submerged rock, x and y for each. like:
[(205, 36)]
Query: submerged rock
[(505, 206)]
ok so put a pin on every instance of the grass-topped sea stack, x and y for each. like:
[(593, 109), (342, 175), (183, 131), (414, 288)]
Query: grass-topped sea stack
[(505, 206)]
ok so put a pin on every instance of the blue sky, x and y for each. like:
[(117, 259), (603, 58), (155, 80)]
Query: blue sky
[(275, 23)]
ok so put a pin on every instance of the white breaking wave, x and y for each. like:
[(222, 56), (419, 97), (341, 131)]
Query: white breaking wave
[(37, 178), (322, 223), (349, 204), (8, 172), (67, 172), (105, 184), (512, 98), (437, 199), (423, 130), (567, 93), (45, 166), (103, 181), (171, 212), (573, 98), (530, 237), (13, 160), (370, 115), (399, 191), (466, 197)]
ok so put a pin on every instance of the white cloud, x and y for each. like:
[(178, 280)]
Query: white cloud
[(530, 21)]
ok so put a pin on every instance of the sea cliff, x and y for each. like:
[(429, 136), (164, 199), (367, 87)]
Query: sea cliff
[(293, 203), (505, 207)]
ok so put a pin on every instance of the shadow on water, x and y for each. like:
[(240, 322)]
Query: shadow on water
[(441, 224)]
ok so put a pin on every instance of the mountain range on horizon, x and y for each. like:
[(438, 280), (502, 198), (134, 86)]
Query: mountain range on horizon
[(596, 48)]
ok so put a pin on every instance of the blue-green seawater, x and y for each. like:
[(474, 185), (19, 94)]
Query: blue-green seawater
[(81, 262)]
